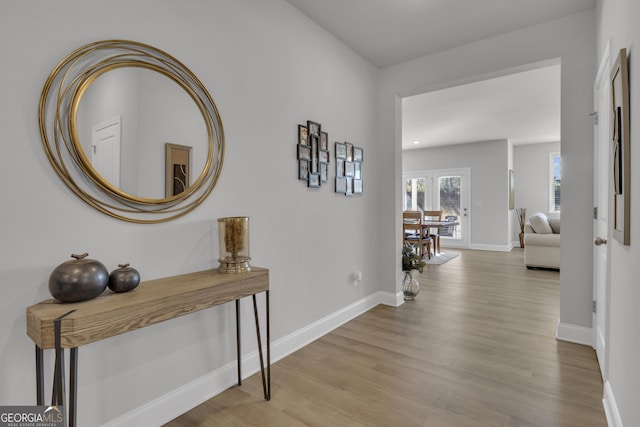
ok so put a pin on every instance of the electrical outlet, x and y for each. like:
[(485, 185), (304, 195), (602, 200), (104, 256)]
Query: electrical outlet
[(357, 277)]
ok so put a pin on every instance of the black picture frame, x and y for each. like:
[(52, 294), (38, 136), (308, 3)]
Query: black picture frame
[(303, 170), (304, 152), (314, 128), (324, 141), (314, 180), (349, 157), (358, 154), (357, 186), (349, 169), (349, 160), (621, 139), (323, 156), (324, 172), (340, 167), (312, 154), (303, 135)]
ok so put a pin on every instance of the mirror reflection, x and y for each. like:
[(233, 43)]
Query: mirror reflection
[(125, 120)]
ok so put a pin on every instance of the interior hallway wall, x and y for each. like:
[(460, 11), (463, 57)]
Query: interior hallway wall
[(268, 68), (618, 28)]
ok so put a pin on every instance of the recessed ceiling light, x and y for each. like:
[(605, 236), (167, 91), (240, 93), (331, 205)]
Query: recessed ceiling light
[(416, 142)]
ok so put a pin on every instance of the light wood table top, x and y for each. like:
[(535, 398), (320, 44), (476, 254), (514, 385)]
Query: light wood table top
[(151, 302), (439, 223)]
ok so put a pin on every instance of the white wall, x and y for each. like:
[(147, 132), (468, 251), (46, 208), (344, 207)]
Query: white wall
[(531, 166), (487, 162), (617, 24), (572, 40), (268, 68)]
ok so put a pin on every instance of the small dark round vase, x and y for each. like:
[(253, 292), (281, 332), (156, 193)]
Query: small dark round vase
[(124, 279), (79, 279)]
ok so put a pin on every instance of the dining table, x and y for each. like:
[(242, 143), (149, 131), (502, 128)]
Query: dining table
[(426, 225)]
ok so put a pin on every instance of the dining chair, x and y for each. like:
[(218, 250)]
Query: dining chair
[(413, 232), (434, 232)]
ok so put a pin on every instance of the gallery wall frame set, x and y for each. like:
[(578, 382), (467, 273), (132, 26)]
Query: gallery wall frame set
[(313, 154), (349, 160), (620, 139)]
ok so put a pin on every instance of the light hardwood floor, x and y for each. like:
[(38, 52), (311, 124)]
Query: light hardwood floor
[(475, 348)]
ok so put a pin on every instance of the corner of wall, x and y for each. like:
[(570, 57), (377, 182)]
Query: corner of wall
[(574, 333)]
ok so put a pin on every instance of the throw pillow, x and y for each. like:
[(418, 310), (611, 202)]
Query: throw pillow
[(555, 225), (540, 223)]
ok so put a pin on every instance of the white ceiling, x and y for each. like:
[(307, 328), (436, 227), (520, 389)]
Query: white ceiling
[(387, 32), (524, 107)]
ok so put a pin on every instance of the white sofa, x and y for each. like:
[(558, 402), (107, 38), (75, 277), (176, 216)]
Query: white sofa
[(542, 242)]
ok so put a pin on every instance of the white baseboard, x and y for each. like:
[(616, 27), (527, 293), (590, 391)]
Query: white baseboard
[(179, 401), (495, 248), (393, 300), (574, 333), (610, 407)]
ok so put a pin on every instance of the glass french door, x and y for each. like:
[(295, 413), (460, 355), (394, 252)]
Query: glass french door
[(445, 190)]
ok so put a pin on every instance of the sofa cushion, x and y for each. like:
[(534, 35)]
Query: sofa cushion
[(548, 240), (555, 225), (540, 223)]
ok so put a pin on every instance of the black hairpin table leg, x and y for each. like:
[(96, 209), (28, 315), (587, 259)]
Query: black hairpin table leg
[(238, 352), (39, 376), (266, 378), (58, 394)]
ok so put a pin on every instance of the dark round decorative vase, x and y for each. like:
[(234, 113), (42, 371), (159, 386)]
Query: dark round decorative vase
[(79, 279), (124, 279)]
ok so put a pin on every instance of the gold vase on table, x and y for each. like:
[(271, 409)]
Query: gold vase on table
[(233, 233)]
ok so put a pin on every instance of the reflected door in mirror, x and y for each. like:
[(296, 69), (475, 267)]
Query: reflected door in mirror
[(178, 167), (105, 150)]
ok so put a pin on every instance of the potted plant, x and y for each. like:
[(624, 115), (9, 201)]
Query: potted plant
[(410, 261)]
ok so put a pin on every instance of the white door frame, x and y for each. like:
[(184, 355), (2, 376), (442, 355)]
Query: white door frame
[(602, 212)]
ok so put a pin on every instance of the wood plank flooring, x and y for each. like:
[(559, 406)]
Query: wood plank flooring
[(475, 348)]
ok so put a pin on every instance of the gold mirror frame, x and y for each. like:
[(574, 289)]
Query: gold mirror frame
[(57, 117)]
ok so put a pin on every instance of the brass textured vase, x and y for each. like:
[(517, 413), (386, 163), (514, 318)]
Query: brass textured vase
[(233, 235), (79, 279)]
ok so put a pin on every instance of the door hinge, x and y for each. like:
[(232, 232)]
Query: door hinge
[(595, 212), (594, 306), (595, 117)]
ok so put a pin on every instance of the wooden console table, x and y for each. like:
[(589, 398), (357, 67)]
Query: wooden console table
[(55, 325)]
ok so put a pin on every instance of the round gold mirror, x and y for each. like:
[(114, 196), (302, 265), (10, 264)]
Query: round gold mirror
[(131, 131)]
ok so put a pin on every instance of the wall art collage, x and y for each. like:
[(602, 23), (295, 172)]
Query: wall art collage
[(313, 160)]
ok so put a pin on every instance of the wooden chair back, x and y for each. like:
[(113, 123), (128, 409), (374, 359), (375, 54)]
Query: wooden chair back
[(412, 231), (412, 217), (432, 216), (434, 232)]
